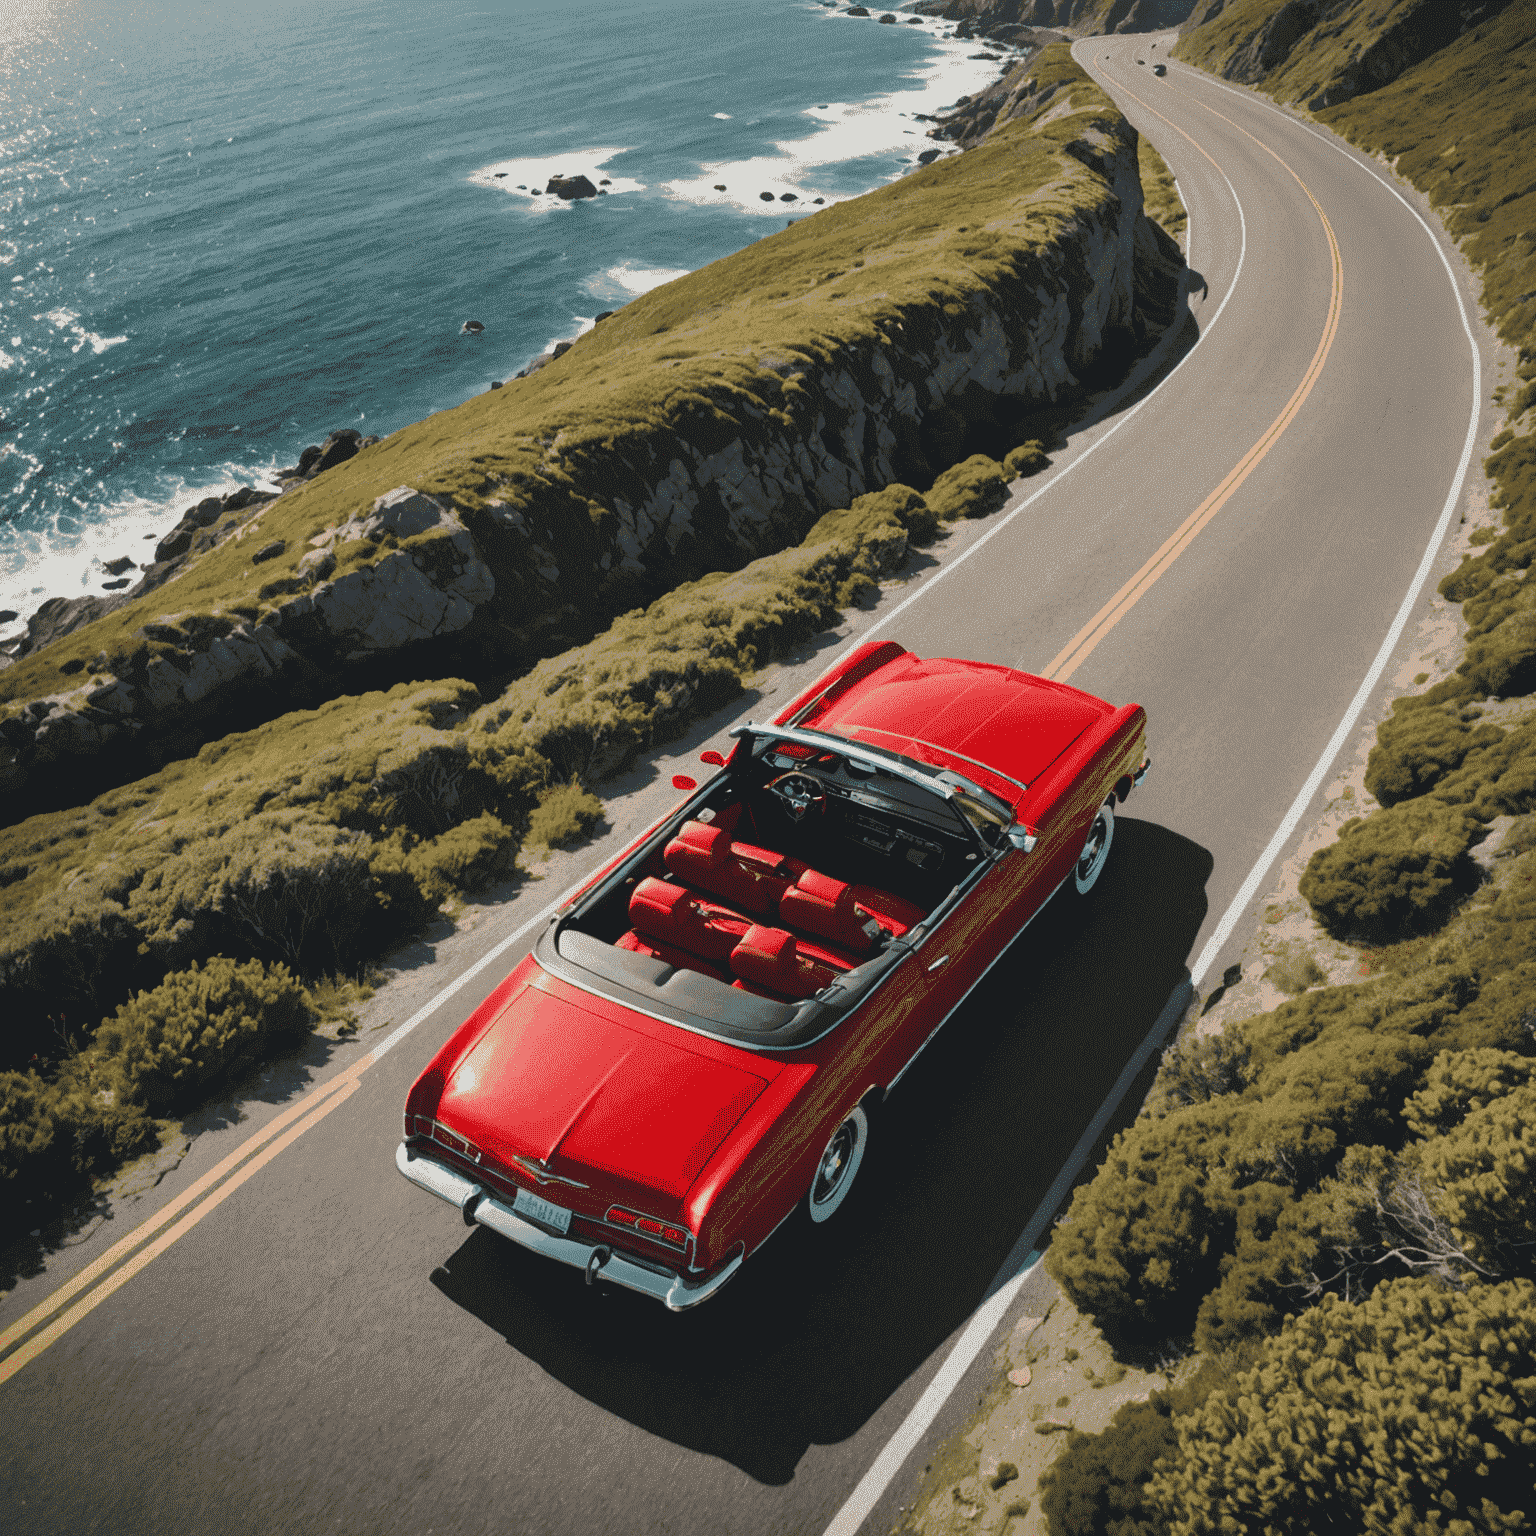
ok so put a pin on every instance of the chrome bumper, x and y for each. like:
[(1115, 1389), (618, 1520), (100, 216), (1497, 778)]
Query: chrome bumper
[(476, 1205)]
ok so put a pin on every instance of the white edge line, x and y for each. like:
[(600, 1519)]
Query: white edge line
[(1399, 623), (1009, 1280), (1001, 1293), (425, 1012)]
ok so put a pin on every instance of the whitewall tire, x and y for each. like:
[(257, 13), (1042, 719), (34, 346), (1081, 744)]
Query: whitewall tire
[(839, 1166)]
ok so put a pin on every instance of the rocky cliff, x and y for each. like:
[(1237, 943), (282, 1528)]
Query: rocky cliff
[(1324, 52), (710, 422), (1000, 19)]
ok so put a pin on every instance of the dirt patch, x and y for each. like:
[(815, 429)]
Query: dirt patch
[(1051, 1374)]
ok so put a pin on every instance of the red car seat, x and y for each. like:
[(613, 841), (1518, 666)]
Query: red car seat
[(750, 878), (852, 916), (676, 915), (775, 959), (670, 954)]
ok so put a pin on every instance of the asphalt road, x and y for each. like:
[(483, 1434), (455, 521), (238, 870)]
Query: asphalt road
[(319, 1346)]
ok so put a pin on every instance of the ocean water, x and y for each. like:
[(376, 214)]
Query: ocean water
[(229, 229)]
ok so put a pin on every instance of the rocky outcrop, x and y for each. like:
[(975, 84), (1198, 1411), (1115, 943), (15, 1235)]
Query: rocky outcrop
[(1338, 51), (388, 599), (569, 188), (989, 18)]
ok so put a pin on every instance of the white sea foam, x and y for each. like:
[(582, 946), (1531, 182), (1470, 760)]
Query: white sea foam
[(68, 558), (526, 179), (724, 117), (847, 131), (68, 320), (626, 281)]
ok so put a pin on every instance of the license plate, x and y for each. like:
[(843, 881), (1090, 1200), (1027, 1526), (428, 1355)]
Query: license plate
[(543, 1211)]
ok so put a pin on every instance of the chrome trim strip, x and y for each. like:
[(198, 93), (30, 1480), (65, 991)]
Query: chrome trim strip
[(950, 752), (676, 1291), (872, 757), (537, 1170), (891, 1086)]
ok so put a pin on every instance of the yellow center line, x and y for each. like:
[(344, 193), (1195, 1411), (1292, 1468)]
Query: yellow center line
[(1077, 650), (61, 1325), (346, 1081)]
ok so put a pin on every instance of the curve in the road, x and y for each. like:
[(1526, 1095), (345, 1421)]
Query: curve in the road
[(1077, 649)]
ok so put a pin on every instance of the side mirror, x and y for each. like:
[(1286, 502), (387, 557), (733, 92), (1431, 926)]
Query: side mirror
[(1022, 838), (713, 758), (682, 781)]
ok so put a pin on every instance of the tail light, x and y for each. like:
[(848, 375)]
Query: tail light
[(663, 1231), (424, 1127)]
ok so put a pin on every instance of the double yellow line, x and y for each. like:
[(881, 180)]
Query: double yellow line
[(191, 1206), (1077, 650)]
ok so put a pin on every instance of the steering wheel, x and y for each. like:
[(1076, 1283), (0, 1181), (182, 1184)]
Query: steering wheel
[(799, 793)]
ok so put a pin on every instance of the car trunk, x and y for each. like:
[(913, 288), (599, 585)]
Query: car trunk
[(630, 1115)]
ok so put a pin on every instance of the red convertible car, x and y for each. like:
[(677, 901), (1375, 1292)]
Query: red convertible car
[(690, 1053)]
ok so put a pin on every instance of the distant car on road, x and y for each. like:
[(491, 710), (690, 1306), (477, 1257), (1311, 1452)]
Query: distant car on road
[(694, 1049)]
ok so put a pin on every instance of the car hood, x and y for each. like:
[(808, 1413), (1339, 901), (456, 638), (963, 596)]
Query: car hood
[(593, 1099), (962, 715)]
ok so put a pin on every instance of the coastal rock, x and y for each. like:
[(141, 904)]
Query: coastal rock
[(888, 20), (61, 616), (928, 156), (856, 10), (569, 188), (403, 597), (766, 197), (113, 586), (336, 449), (472, 328), (118, 566)]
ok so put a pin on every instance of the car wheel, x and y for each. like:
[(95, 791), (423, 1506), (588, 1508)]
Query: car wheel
[(839, 1166), (1095, 855)]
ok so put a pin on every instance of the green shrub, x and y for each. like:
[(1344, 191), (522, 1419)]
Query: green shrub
[(1414, 1410), (566, 815), (1098, 1483), (468, 857), (1399, 872), (1027, 459), (1417, 746), (1459, 1082), (1293, 970), (1498, 778), (54, 1137), (1142, 1241), (973, 488), (170, 1045), (1199, 1068), (1483, 1172)]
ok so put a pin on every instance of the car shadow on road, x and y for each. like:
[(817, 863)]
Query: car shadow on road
[(823, 1325)]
